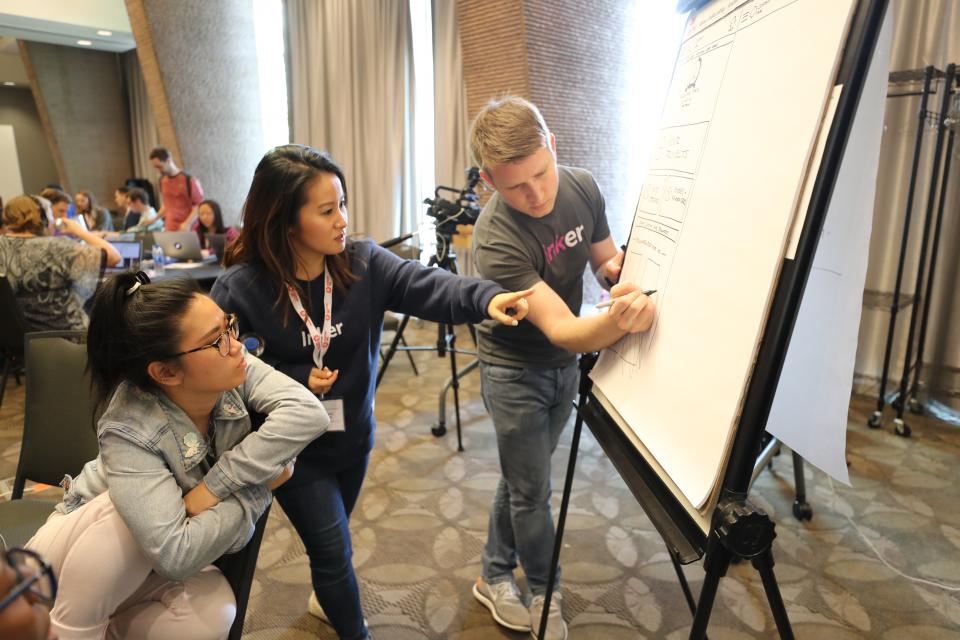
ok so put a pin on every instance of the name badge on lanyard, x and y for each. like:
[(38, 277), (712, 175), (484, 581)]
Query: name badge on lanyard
[(321, 342)]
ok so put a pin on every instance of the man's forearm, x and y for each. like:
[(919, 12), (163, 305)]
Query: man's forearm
[(581, 335)]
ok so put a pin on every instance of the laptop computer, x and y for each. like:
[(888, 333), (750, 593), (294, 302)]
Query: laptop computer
[(183, 246), (131, 252)]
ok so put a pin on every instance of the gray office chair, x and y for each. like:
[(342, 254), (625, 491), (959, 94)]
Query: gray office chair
[(13, 326), (58, 429)]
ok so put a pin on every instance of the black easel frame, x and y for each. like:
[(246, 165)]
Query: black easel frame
[(738, 528)]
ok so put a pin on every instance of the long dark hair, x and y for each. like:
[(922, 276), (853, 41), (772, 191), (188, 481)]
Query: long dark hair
[(217, 217), (92, 205), (277, 193), (132, 326)]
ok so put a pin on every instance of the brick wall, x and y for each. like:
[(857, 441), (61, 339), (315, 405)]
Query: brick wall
[(568, 58)]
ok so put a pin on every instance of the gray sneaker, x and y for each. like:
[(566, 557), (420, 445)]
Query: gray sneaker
[(556, 627), (503, 601), (314, 608)]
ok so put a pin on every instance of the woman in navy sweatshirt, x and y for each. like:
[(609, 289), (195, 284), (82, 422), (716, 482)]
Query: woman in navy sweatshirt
[(317, 302)]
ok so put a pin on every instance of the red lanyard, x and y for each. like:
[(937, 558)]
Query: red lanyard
[(321, 341)]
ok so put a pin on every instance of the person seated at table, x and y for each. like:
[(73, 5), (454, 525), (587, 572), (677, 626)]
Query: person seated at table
[(60, 205), (139, 203), (133, 540), (50, 276), (210, 220), (96, 217)]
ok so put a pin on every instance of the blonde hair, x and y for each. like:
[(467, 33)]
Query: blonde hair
[(509, 128), (22, 214)]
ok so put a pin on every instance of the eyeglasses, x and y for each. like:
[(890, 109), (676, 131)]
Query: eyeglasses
[(222, 343), (33, 575)]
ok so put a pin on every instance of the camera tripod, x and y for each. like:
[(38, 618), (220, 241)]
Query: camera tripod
[(446, 343)]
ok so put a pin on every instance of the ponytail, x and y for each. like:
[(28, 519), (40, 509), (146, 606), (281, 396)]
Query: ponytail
[(133, 322)]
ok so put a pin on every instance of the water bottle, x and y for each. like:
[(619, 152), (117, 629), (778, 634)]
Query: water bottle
[(158, 260)]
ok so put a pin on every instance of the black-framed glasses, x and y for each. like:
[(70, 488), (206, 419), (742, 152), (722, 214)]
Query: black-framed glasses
[(222, 343), (33, 575)]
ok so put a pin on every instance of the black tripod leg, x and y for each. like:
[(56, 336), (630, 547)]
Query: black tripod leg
[(763, 563), (684, 585), (562, 519), (413, 365), (393, 349), (715, 565), (452, 332)]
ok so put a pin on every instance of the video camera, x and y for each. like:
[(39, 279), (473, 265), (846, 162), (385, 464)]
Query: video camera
[(464, 210)]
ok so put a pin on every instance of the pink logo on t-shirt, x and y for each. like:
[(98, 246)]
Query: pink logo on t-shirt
[(563, 242)]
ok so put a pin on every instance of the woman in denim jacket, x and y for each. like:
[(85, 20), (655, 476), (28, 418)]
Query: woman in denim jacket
[(131, 544)]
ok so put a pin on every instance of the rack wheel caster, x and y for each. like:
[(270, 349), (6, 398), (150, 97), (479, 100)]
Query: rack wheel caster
[(802, 510), (875, 421), (915, 407), (900, 428), (438, 430)]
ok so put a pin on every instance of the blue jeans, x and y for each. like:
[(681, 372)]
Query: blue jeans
[(529, 408), (318, 503)]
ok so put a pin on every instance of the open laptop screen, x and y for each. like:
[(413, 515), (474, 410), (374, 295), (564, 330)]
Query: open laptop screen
[(130, 253)]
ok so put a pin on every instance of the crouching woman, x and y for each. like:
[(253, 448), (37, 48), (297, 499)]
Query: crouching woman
[(180, 479)]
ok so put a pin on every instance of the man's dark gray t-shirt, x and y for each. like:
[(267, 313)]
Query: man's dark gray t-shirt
[(517, 251)]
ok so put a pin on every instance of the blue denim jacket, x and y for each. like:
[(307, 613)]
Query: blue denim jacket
[(151, 455)]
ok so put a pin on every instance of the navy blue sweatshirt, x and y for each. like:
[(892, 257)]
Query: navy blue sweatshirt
[(386, 283)]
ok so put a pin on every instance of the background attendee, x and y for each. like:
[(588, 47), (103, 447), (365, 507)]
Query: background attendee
[(123, 218), (139, 204), (318, 303), (132, 554), (541, 228), (180, 193), (60, 205), (25, 616), (210, 220), (50, 276), (97, 217)]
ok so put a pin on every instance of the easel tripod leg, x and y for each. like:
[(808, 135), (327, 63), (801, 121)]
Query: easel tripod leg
[(586, 364), (716, 561), (684, 585), (763, 563)]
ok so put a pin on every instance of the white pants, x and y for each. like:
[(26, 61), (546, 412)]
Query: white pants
[(107, 588)]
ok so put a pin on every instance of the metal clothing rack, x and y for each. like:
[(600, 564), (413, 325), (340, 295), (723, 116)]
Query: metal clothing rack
[(941, 83)]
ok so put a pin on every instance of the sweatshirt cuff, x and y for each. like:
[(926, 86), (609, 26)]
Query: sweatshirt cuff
[(487, 296)]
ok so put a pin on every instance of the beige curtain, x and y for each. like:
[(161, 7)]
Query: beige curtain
[(351, 87), (925, 34), (143, 126), (451, 150), (450, 97)]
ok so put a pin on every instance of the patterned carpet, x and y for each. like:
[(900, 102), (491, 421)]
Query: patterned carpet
[(420, 526)]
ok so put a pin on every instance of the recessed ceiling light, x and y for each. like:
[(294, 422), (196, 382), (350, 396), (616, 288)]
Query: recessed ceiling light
[(9, 84), (85, 43), (104, 32)]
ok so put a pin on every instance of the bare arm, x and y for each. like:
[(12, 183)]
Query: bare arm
[(149, 218), (632, 312), (73, 228), (194, 214)]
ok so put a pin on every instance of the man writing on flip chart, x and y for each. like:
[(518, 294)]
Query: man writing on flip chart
[(539, 230)]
